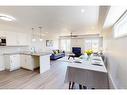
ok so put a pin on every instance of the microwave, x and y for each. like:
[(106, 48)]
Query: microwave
[(2, 41)]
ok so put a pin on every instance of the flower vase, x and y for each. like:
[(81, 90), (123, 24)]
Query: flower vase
[(88, 57)]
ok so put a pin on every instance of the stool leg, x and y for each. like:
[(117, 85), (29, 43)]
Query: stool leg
[(84, 87), (69, 85), (80, 86), (72, 85)]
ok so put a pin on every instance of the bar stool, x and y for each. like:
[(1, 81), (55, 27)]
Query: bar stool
[(71, 85)]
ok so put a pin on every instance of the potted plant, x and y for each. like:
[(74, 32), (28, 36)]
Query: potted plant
[(89, 52)]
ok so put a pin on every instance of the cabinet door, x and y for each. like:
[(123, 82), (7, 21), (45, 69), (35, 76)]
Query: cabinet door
[(11, 38), (23, 60), (29, 62), (14, 62), (26, 62), (7, 62), (2, 66), (22, 39)]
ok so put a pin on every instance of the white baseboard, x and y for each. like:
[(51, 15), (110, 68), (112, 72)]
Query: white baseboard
[(112, 84)]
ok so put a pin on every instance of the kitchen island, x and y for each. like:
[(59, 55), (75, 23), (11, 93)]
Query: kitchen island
[(27, 60)]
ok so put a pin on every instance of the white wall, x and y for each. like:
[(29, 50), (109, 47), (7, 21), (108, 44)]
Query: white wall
[(78, 43), (41, 46), (116, 52)]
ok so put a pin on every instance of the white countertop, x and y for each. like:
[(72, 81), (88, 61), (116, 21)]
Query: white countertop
[(29, 53), (89, 66)]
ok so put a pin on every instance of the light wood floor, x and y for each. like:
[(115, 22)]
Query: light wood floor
[(24, 79)]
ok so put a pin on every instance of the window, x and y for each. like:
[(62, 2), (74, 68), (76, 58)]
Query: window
[(120, 28), (65, 44), (92, 44)]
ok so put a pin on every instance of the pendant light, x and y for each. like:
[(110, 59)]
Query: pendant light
[(33, 37), (40, 34)]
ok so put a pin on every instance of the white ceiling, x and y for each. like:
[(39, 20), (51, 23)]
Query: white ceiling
[(60, 20), (113, 15)]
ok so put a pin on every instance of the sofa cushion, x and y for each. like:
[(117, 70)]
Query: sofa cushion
[(55, 51), (58, 51)]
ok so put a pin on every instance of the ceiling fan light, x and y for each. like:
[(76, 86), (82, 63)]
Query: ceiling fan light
[(41, 40)]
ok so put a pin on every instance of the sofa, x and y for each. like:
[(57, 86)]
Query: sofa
[(57, 54)]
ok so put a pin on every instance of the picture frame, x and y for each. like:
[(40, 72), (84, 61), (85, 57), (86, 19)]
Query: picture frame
[(49, 43)]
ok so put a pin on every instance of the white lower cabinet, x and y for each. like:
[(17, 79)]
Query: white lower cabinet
[(12, 62), (27, 62), (2, 66)]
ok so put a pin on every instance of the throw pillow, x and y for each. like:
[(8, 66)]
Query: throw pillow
[(56, 52)]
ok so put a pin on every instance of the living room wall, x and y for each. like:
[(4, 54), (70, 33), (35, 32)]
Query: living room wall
[(115, 50)]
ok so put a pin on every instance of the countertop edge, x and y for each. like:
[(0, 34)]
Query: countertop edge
[(25, 53)]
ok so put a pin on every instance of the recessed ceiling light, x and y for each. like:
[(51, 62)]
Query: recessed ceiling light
[(82, 10), (7, 17)]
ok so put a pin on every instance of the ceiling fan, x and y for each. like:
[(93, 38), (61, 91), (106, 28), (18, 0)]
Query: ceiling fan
[(71, 35)]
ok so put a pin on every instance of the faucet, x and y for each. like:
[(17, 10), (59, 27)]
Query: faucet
[(33, 50)]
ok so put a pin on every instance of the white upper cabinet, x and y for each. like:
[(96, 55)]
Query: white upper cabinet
[(22, 39), (11, 38), (16, 38)]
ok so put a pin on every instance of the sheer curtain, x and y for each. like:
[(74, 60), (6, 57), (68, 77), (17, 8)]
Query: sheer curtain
[(92, 44), (65, 44)]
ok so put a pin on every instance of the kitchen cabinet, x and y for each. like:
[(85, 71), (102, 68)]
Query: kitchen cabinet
[(2, 66), (22, 39), (11, 38), (27, 62), (15, 61), (12, 62), (15, 38)]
